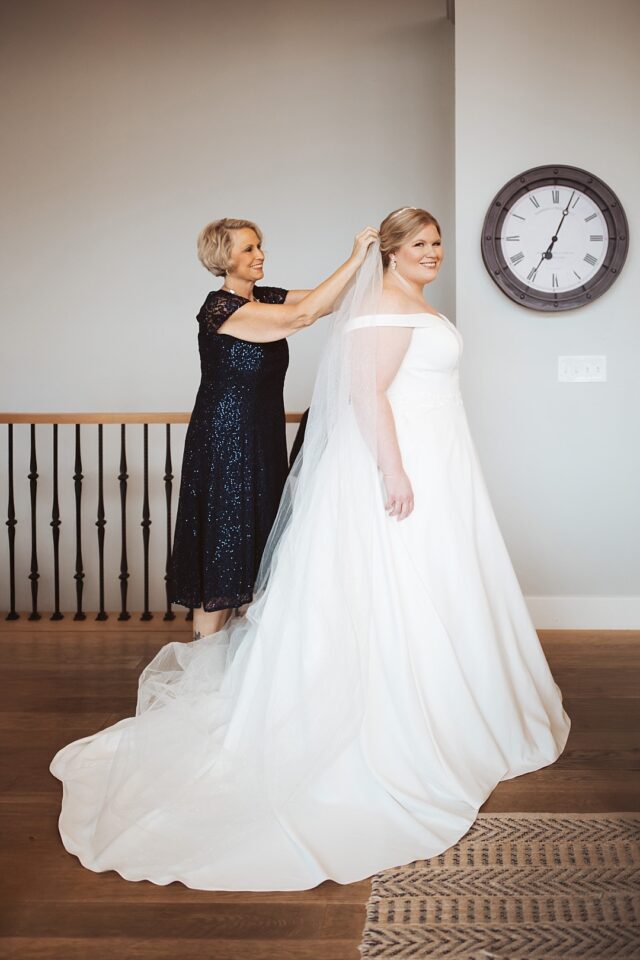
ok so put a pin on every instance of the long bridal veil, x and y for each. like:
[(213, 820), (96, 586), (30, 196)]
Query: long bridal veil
[(366, 704), (234, 725)]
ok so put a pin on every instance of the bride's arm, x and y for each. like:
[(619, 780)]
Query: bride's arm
[(391, 346), (377, 354)]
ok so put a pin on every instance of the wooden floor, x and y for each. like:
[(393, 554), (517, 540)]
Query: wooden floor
[(63, 683)]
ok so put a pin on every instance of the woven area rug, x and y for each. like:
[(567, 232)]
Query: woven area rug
[(517, 886)]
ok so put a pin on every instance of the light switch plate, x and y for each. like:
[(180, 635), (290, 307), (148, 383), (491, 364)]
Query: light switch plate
[(582, 369)]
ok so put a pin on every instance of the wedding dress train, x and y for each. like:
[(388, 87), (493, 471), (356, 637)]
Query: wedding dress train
[(367, 704)]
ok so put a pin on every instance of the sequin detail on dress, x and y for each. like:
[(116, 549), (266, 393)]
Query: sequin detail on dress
[(234, 464)]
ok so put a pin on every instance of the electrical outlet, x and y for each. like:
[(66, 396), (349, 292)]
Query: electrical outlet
[(582, 369)]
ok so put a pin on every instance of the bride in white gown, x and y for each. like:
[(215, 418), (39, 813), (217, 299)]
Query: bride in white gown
[(386, 677)]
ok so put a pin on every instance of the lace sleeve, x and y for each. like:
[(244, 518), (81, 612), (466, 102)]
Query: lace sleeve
[(216, 309), (270, 294)]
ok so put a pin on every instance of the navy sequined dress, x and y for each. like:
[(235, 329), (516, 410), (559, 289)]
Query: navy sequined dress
[(235, 461)]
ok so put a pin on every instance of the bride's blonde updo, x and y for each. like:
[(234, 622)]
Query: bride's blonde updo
[(400, 226)]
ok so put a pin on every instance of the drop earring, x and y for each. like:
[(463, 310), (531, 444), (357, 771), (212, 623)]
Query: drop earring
[(393, 263)]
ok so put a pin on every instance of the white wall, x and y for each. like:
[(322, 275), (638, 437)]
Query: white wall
[(554, 82), (127, 126)]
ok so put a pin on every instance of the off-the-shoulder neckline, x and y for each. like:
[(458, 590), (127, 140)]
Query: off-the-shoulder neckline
[(416, 319), (419, 313)]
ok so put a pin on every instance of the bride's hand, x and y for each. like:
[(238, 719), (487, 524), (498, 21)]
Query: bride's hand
[(399, 501), (362, 242)]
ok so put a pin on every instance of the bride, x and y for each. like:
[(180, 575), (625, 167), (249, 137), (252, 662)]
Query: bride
[(387, 674)]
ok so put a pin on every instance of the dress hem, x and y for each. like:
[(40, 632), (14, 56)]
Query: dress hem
[(211, 606)]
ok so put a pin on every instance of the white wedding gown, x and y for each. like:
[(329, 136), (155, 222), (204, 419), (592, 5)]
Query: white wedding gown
[(366, 706)]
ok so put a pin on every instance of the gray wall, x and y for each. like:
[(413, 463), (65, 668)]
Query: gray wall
[(127, 126), (536, 84)]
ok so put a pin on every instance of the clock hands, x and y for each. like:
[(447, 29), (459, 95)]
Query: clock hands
[(547, 252), (547, 255)]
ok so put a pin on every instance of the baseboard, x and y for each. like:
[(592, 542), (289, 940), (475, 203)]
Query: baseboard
[(67, 624), (585, 613)]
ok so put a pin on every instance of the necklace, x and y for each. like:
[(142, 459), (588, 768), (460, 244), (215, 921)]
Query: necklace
[(229, 290)]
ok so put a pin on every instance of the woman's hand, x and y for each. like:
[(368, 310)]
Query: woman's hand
[(362, 242), (263, 322), (399, 495)]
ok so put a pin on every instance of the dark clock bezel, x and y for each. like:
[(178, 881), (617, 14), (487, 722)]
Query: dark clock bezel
[(562, 175)]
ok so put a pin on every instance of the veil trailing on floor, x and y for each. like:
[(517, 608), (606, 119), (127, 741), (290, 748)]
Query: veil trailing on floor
[(234, 725), (364, 707)]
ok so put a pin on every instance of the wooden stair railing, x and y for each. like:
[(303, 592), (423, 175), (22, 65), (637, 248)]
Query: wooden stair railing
[(78, 420)]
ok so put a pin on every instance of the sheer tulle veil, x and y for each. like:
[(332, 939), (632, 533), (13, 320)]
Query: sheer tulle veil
[(363, 708), (345, 380), (223, 705)]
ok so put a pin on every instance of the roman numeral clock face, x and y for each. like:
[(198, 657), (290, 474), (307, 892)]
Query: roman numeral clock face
[(554, 238)]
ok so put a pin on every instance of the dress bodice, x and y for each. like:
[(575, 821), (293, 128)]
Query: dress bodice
[(231, 360), (428, 373)]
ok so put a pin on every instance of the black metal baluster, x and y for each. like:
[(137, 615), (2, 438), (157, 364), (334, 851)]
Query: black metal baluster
[(55, 530), (11, 533), (146, 523), (100, 524), (168, 477), (123, 476), (79, 574), (34, 576)]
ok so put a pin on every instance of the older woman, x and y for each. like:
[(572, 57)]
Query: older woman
[(235, 457)]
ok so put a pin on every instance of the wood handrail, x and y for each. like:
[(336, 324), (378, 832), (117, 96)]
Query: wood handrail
[(74, 418)]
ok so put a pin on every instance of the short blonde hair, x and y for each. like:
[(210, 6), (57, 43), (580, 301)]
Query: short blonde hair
[(400, 225), (215, 242)]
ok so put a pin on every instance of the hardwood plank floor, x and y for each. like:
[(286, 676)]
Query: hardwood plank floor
[(64, 681)]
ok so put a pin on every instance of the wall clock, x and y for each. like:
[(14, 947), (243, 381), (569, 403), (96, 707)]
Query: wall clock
[(555, 238)]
